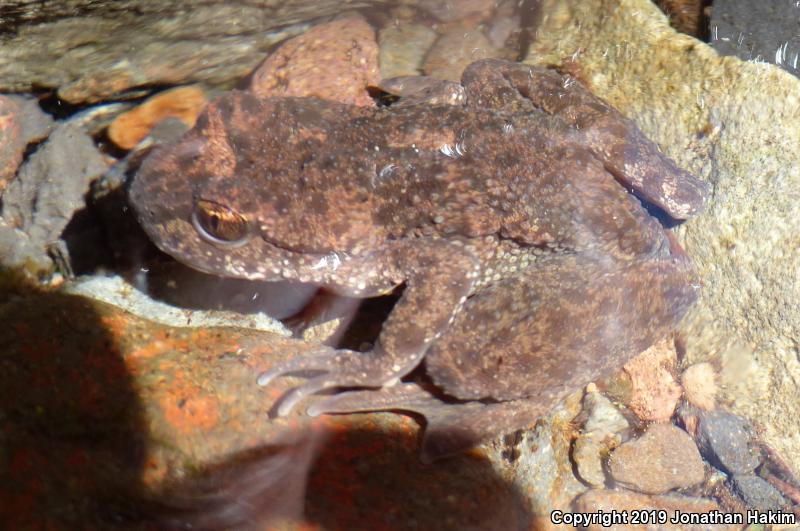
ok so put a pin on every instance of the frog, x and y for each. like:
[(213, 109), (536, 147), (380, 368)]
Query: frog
[(521, 216)]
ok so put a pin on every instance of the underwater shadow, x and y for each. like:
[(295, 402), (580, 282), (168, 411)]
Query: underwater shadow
[(72, 440), (367, 476)]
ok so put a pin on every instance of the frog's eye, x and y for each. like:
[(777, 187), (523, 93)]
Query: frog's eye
[(219, 224)]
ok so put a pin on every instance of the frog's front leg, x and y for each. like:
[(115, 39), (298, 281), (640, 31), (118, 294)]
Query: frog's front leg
[(439, 275)]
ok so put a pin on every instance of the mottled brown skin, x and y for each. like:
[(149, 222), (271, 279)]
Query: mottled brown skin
[(530, 269)]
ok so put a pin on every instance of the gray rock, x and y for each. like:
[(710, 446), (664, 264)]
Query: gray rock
[(600, 434), (757, 493), (725, 440), (118, 292), (663, 459), (40, 202), (22, 121), (757, 31)]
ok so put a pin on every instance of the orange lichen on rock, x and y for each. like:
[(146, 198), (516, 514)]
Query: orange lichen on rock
[(188, 408), (183, 103)]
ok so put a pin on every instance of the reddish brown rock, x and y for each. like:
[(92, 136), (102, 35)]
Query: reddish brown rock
[(183, 103), (663, 459), (336, 61), (651, 390)]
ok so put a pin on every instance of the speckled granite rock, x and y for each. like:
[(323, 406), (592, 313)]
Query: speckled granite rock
[(758, 493), (727, 442), (734, 124)]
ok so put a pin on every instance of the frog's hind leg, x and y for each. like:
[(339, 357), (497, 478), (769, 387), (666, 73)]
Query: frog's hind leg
[(440, 276), (612, 138), (558, 326)]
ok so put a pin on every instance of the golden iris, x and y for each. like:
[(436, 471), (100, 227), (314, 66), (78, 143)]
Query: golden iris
[(220, 224)]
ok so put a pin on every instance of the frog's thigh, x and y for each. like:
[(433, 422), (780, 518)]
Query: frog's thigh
[(557, 327)]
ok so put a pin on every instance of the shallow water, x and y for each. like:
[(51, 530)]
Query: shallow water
[(122, 412)]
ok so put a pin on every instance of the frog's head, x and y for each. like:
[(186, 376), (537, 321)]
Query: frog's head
[(249, 193)]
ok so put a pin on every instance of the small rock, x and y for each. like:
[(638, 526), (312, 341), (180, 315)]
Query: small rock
[(183, 103), (700, 385), (758, 493), (725, 441), (335, 61), (604, 417), (403, 49), (662, 459), (653, 392), (22, 121), (619, 501), (456, 49), (599, 436)]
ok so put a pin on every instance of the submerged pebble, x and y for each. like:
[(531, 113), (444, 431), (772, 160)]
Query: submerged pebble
[(725, 440), (663, 459), (183, 103)]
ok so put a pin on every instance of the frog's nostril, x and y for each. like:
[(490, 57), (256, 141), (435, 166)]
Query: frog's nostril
[(219, 224)]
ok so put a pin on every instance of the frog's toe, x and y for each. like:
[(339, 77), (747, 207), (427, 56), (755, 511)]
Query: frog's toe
[(338, 368), (317, 384), (402, 396), (301, 364)]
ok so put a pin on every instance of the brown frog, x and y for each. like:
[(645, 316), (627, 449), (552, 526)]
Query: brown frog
[(510, 212)]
